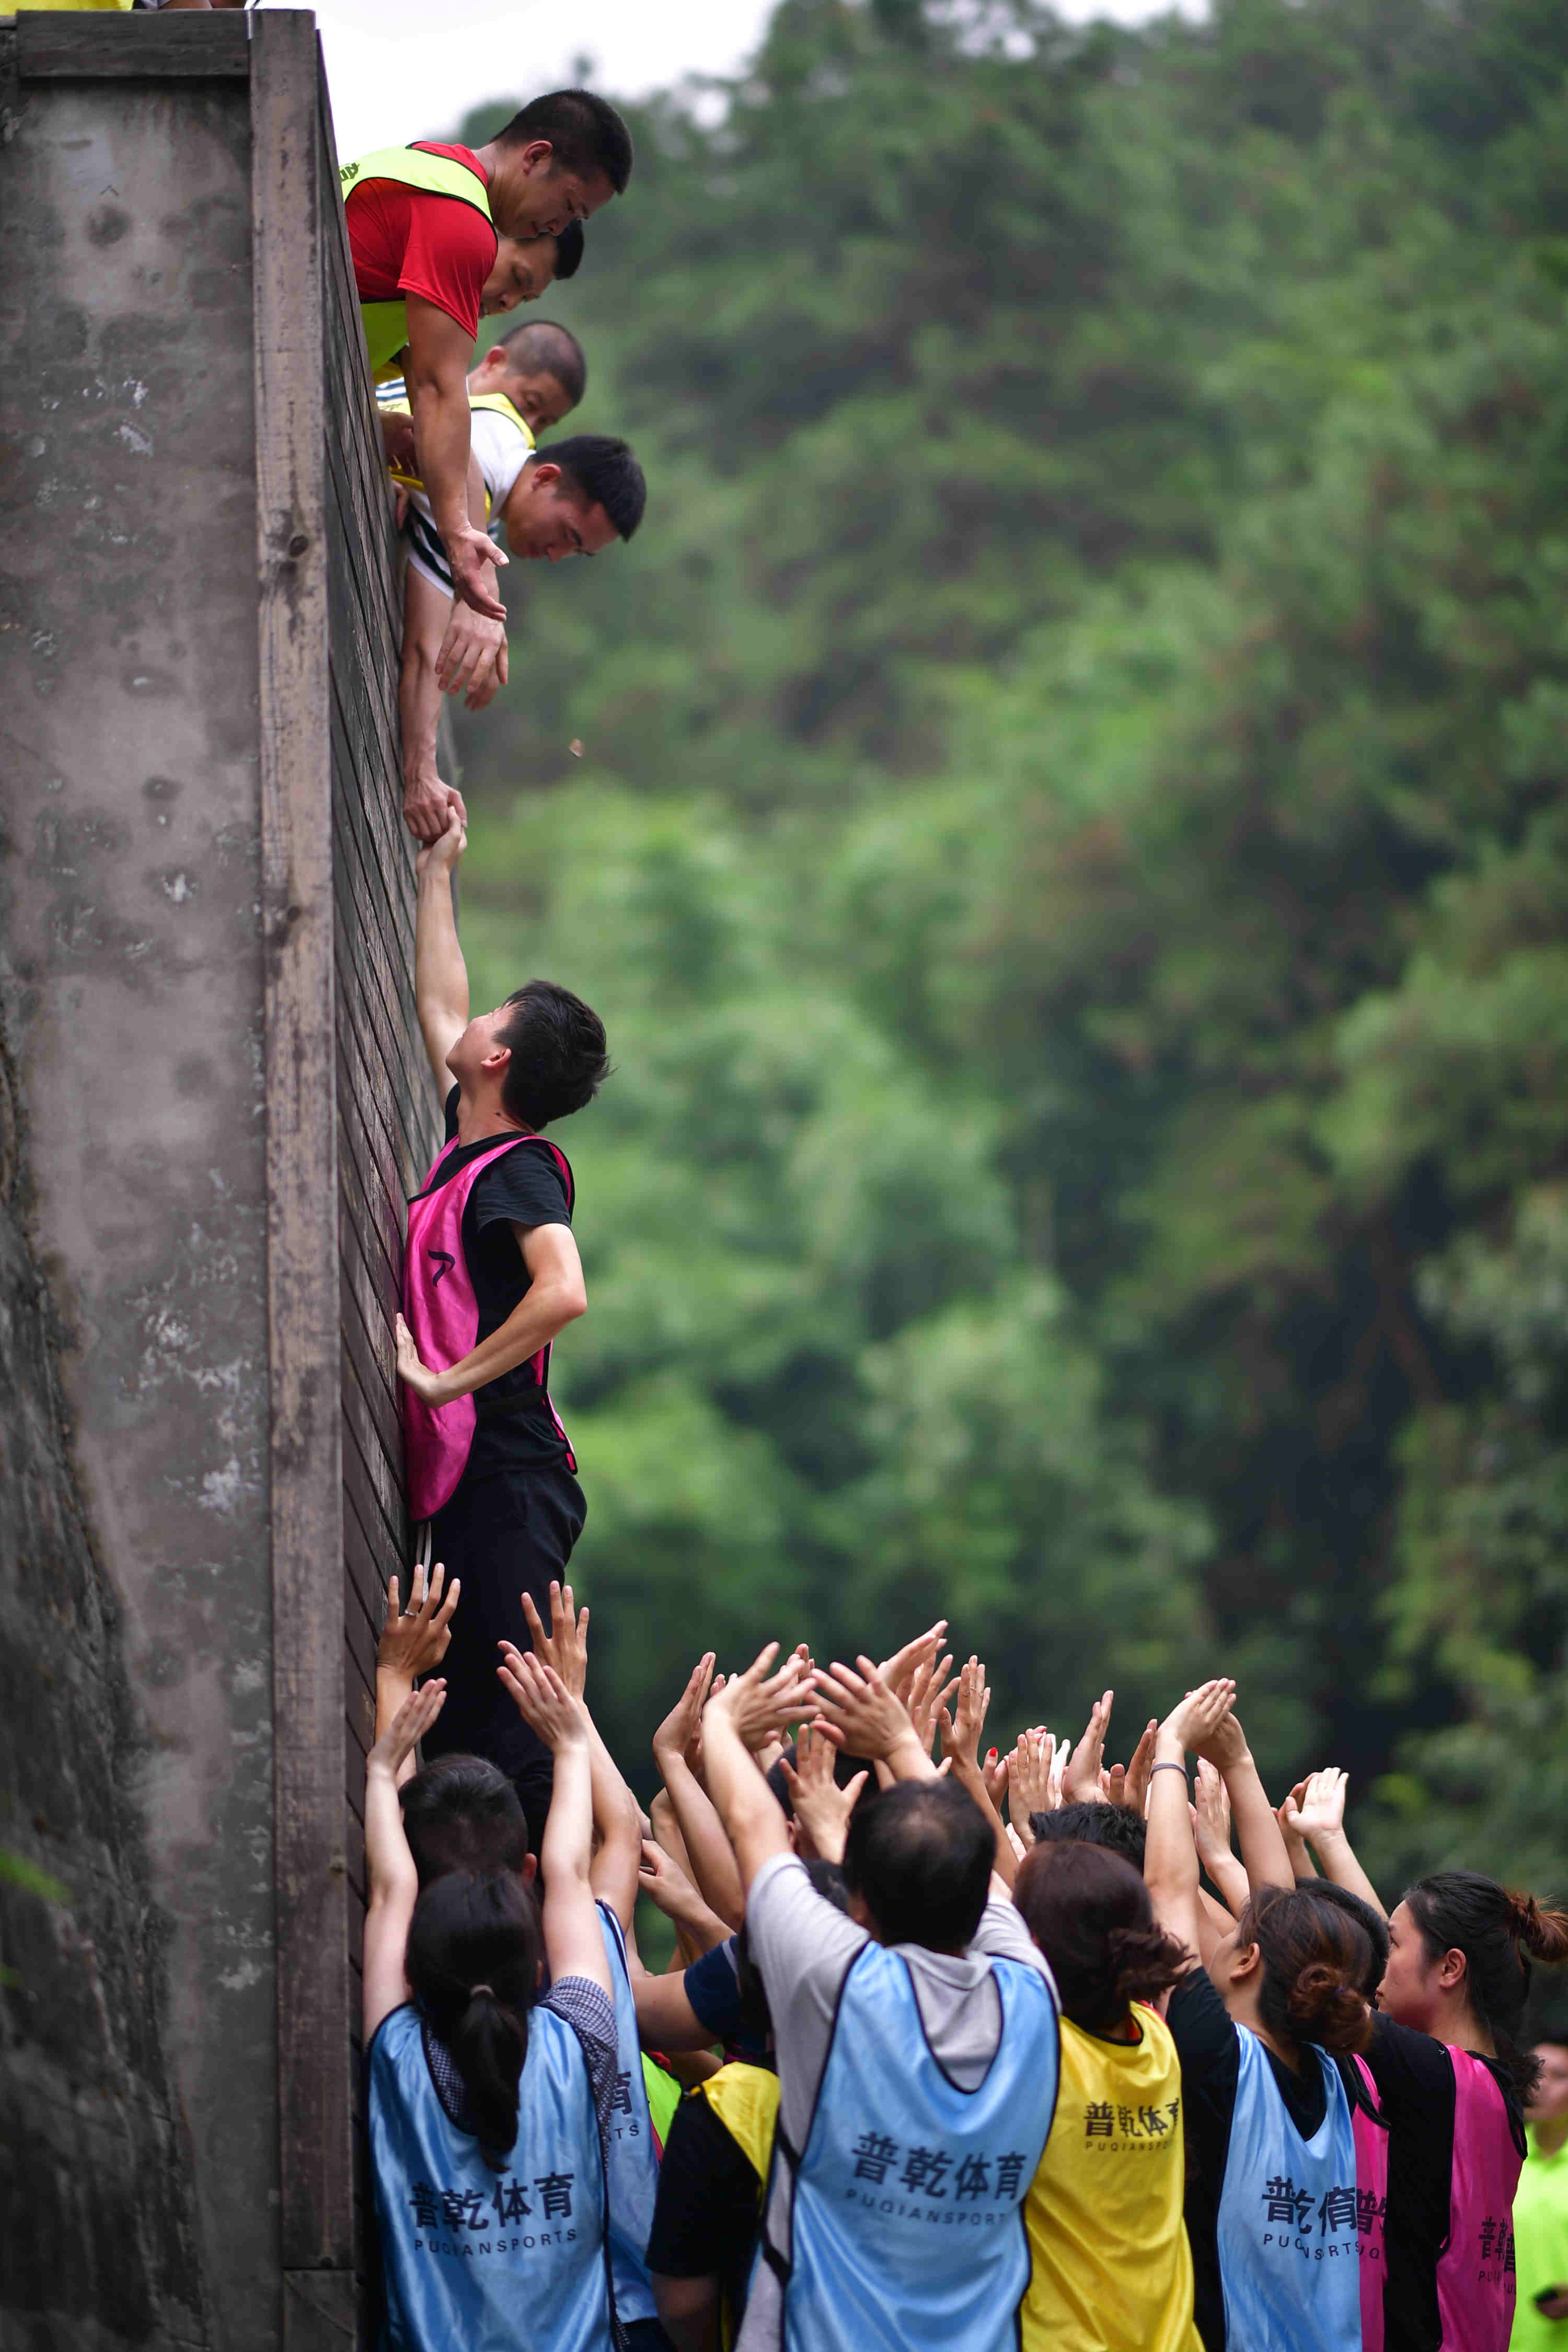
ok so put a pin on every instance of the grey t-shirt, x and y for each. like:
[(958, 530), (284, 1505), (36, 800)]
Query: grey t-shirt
[(803, 1947)]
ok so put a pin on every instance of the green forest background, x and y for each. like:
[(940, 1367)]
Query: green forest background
[(1070, 847)]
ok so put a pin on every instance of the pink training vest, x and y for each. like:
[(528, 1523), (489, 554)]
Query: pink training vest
[(1372, 2205), (1475, 2282), (442, 1312)]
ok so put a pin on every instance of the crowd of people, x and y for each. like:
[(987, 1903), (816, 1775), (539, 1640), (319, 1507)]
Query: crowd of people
[(958, 2049), (949, 2053)]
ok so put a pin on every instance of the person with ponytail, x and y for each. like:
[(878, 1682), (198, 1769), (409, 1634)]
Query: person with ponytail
[(486, 2100), (1287, 2156), (1111, 2267), (1452, 2078)]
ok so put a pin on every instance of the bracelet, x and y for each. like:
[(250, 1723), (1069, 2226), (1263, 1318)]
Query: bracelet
[(1167, 1767)]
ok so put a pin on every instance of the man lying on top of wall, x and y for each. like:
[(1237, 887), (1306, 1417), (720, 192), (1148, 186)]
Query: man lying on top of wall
[(575, 498), (425, 227)]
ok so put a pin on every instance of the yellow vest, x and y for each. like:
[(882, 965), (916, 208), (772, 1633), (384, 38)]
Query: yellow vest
[(746, 2101), (497, 401), (1111, 2269), (386, 324)]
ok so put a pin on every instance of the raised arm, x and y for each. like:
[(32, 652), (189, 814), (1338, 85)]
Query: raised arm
[(573, 1941), (414, 1640), (857, 1711), (960, 1734), (748, 1707), (617, 1859), (440, 975), (1319, 1819), (389, 1865), (1263, 1851), (429, 801), (675, 1746), (1170, 1857)]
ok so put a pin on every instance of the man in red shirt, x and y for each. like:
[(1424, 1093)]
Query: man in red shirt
[(424, 226)]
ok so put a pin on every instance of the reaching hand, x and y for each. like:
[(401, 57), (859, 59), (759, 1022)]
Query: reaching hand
[(413, 1640), (1222, 1742), (471, 553), (1211, 1812), (1029, 1780), (680, 1733), (447, 848), (429, 806), (1135, 1788), (821, 1809), (1321, 1811), (1192, 1721), (769, 1750), (1083, 1782), (758, 1702), (857, 1711), (565, 1646), (995, 1771), (961, 1733), (544, 1701), (664, 1882), (923, 1699), (898, 1671), (472, 659), (407, 1728)]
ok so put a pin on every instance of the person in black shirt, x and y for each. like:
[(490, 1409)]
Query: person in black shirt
[(509, 1522)]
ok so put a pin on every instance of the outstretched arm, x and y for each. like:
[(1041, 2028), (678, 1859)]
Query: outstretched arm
[(617, 1824), (1170, 1857), (574, 1943), (1263, 1850), (748, 1707), (676, 1745), (394, 1881), (1319, 1819), (414, 1640), (428, 801), (436, 372), (440, 975)]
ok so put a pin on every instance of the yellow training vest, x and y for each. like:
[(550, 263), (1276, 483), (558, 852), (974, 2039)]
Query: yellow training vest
[(1111, 2268), (497, 401), (746, 2101), (386, 324)]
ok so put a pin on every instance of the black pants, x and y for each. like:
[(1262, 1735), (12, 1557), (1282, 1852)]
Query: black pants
[(508, 1531)]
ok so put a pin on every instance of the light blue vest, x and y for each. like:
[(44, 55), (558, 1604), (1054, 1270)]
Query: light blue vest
[(1290, 2249), (483, 2261), (631, 2161), (908, 2218)]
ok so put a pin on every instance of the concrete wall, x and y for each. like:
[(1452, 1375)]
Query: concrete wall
[(212, 1102), (139, 1763)]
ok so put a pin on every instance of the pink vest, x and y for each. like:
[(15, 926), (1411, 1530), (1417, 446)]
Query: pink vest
[(1372, 2205), (442, 1312), (1476, 2283)]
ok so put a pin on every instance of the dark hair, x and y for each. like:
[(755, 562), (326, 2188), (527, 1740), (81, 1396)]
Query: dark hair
[(539, 347), (1357, 1907), (570, 246), (559, 1054), (475, 1947), (1094, 1823), (1316, 1958), (585, 131), (1461, 1911), (1089, 1913), (919, 1858), (462, 1814), (606, 474)]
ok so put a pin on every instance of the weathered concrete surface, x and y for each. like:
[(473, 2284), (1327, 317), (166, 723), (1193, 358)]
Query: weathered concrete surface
[(134, 1733)]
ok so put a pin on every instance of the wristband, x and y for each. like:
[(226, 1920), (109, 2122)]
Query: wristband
[(1167, 1767)]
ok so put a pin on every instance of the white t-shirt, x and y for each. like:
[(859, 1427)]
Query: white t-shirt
[(503, 444)]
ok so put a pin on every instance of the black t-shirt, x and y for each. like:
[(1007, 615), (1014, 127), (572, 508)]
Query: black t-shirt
[(1415, 2079), (709, 2205), (1205, 2038), (525, 1187)]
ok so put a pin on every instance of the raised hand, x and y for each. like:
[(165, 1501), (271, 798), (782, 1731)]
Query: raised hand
[(898, 1671), (760, 1702), (857, 1711), (1083, 1782), (961, 1730), (821, 1809), (1135, 1788), (1211, 1814), (544, 1701), (407, 1728), (995, 1771), (1221, 1738), (565, 1646), (1199, 1714), (415, 1639), (924, 1697), (1320, 1811), (680, 1733), (1029, 1787)]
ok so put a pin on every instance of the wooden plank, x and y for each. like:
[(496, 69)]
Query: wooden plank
[(92, 46), (316, 2208)]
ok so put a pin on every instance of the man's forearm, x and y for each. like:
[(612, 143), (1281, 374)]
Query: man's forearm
[(537, 1320), (440, 975), (443, 436), (418, 690)]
